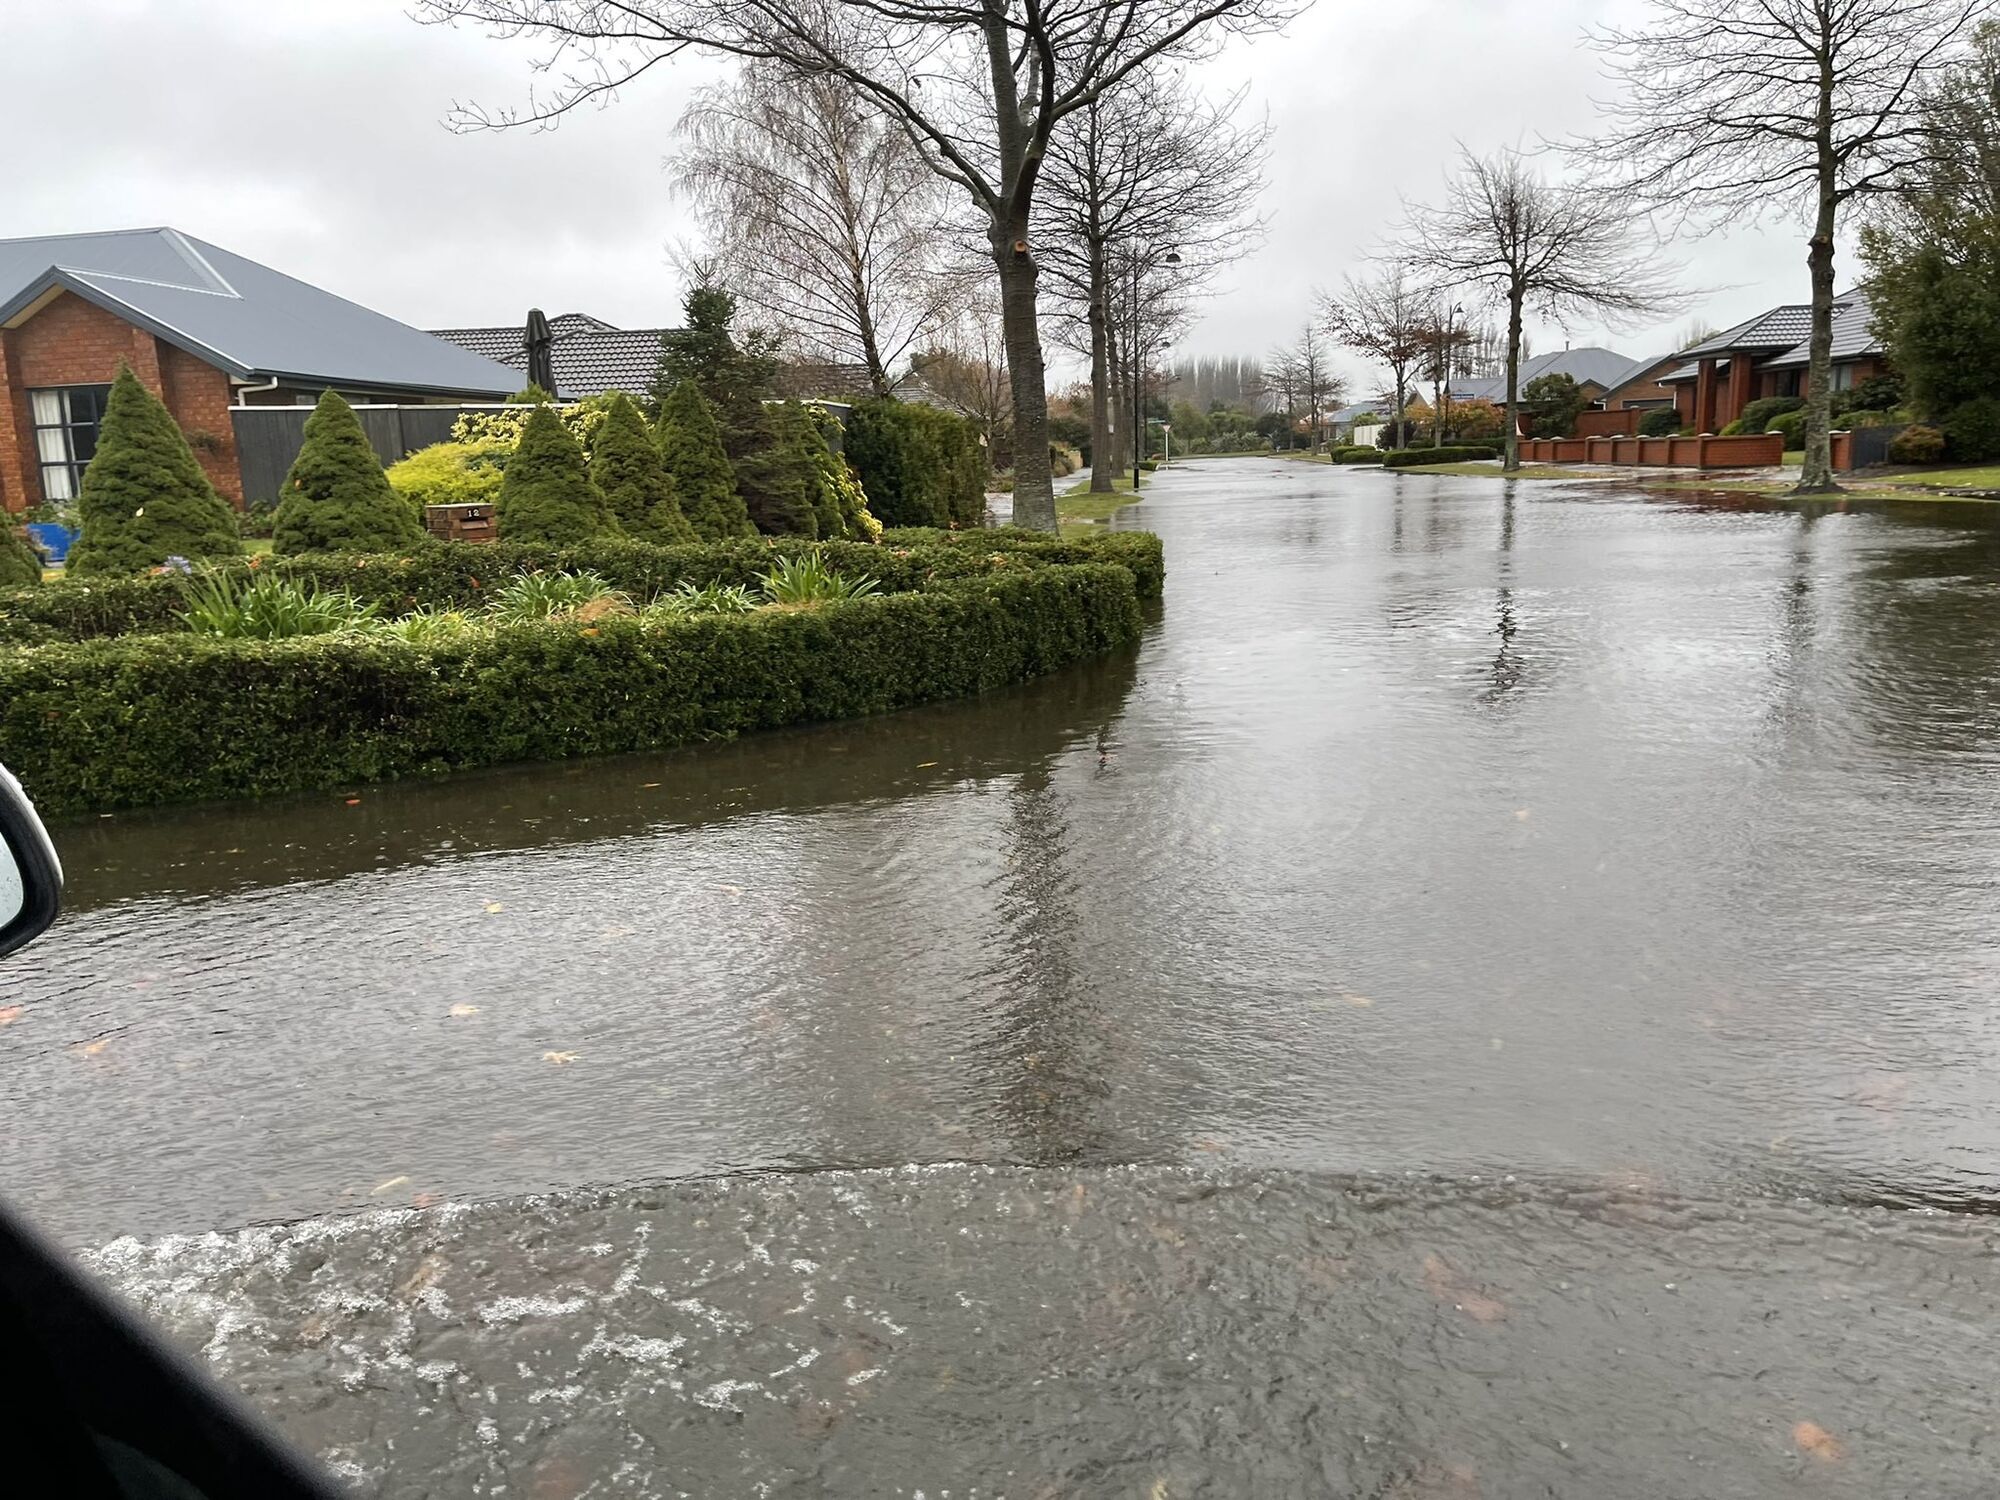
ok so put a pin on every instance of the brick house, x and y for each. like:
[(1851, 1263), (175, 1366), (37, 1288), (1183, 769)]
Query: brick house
[(1767, 356), (1639, 386), (207, 331)]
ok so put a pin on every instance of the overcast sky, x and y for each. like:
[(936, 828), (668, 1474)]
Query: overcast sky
[(309, 136)]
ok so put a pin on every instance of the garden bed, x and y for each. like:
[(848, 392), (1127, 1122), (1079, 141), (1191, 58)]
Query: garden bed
[(108, 701)]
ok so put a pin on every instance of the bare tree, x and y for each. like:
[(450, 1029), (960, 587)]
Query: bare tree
[(819, 213), (1303, 375), (979, 87), (966, 370), (1148, 171), (1382, 316), (1558, 248), (1740, 108)]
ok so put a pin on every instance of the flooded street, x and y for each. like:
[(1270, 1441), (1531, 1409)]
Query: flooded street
[(1496, 997)]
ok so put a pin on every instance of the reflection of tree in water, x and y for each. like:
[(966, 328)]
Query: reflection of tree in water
[(1505, 673), (1048, 1051)]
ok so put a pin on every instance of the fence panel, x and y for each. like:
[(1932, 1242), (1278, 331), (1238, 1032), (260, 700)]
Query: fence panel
[(268, 438)]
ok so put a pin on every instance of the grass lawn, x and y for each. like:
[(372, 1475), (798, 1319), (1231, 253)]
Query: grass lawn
[(1078, 511), (1987, 478)]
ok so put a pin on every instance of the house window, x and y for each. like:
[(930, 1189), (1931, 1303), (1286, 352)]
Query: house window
[(1843, 377), (66, 419)]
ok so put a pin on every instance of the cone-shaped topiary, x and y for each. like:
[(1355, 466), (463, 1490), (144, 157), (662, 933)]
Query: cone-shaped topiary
[(691, 450), (546, 496), (775, 477), (145, 498), (336, 497), (20, 564), (625, 466)]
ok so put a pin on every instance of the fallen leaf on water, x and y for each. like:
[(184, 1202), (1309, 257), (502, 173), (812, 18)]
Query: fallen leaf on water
[(1816, 1440), (383, 1187), (647, 786), (558, 1058), (1159, 1490), (353, 801), (425, 1273), (1521, 814), (465, 1010), (925, 765), (730, 890), (495, 906), (1357, 1000), (9, 1014), (92, 1049)]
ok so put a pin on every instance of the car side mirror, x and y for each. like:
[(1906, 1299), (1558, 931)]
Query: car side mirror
[(31, 877)]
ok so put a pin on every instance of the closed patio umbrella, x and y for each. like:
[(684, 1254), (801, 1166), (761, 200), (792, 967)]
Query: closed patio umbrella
[(540, 343)]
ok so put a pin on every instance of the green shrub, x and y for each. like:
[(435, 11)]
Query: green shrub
[(1358, 454), (548, 596), (427, 627), (263, 607), (808, 580), (1757, 414), (464, 575), (775, 476), (1402, 458), (1972, 430), (545, 495), (20, 564), (1791, 425), (706, 599), (99, 725), (840, 496), (145, 498), (336, 497), (450, 474), (1661, 421), (919, 466), (1736, 429), (625, 466), (1856, 419), (691, 451), (1876, 393), (1916, 445)]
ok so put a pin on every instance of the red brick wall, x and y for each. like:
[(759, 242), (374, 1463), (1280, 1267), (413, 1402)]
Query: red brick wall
[(73, 342)]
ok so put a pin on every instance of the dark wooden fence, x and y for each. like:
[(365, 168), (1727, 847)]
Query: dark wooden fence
[(268, 438)]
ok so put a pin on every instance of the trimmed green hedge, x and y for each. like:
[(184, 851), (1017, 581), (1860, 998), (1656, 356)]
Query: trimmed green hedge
[(1362, 453), (96, 725), (461, 575), (919, 465), (1457, 453)]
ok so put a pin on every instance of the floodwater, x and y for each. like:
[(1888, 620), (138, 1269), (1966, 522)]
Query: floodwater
[(1495, 997)]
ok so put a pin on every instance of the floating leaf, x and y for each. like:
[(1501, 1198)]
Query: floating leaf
[(495, 906), (925, 765), (558, 1058), (1445, 1284), (94, 1049), (9, 1014), (1357, 1000), (382, 1187), (1815, 1440), (465, 1010)]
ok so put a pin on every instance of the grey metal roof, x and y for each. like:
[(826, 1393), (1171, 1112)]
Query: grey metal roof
[(248, 319), (590, 356), (1590, 365)]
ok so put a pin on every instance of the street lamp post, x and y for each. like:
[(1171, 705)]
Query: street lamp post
[(1138, 357)]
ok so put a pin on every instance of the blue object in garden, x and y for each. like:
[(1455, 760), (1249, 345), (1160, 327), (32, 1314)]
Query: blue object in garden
[(51, 540)]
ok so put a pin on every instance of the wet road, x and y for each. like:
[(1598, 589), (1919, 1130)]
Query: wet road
[(1641, 851)]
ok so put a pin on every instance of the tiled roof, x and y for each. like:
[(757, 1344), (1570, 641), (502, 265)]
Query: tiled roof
[(1853, 337), (590, 355), (810, 380), (1853, 334), (234, 313), (1590, 365)]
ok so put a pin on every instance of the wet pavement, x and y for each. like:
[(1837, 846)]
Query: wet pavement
[(1640, 850)]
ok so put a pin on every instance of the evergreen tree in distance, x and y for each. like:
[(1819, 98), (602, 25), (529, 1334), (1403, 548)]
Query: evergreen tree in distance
[(546, 495), (336, 497), (625, 466), (692, 452), (145, 498), (776, 478)]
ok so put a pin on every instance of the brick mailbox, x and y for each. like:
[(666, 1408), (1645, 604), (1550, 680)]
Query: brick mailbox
[(461, 523)]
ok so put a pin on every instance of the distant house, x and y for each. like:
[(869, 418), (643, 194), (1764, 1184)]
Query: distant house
[(1361, 423), (1767, 356), (1593, 368), (206, 330), (1638, 387), (590, 356)]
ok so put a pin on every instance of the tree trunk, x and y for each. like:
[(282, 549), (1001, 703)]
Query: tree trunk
[(1103, 457), (1399, 374), (1034, 485), (1816, 476), (1512, 461), (1437, 407)]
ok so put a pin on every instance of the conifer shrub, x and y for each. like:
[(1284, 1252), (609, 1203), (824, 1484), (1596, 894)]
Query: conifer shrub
[(776, 480), (1661, 421), (626, 468), (691, 451), (336, 497), (20, 564), (144, 497), (546, 496)]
